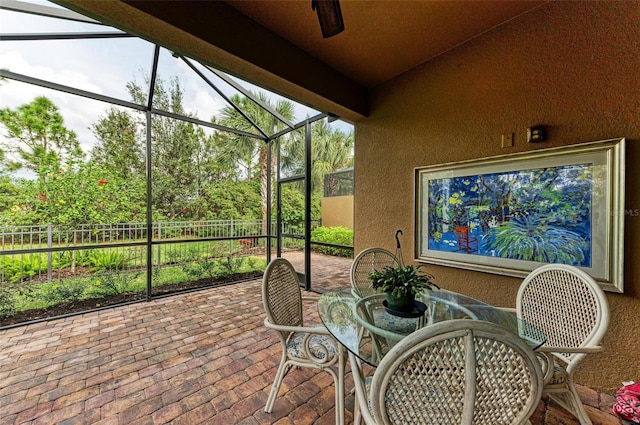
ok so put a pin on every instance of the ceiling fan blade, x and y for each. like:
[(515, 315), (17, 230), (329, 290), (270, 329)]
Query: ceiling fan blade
[(329, 15)]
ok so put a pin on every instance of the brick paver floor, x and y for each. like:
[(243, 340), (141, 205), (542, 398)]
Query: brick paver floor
[(197, 358)]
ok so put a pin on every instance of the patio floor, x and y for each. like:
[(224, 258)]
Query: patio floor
[(197, 358)]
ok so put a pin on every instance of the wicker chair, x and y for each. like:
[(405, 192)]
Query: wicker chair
[(455, 372), (305, 346), (365, 262), (572, 310)]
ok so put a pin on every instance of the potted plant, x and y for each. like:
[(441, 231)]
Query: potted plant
[(401, 284)]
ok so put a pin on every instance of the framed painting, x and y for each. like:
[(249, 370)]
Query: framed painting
[(510, 214)]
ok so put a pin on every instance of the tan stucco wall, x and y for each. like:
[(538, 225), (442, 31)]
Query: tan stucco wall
[(337, 211), (571, 66)]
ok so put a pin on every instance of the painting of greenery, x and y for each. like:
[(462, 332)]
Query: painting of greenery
[(541, 215)]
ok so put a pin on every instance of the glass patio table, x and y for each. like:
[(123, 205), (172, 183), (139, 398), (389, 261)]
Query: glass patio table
[(347, 317)]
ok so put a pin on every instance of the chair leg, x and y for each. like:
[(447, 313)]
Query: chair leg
[(357, 417), (275, 387), (567, 397), (577, 408), (339, 404)]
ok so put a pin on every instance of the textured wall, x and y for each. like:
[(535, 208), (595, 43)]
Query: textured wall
[(337, 211), (571, 66)]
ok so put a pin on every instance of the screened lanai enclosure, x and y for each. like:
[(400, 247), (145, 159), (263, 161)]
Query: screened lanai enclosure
[(129, 171)]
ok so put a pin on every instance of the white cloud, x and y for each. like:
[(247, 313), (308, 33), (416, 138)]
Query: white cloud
[(205, 106), (14, 61)]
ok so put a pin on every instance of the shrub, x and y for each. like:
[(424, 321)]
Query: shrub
[(206, 267), (232, 265), (112, 284), (333, 235), (7, 302), (62, 292)]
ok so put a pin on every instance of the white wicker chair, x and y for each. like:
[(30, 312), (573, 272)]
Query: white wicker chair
[(456, 372), (305, 346), (572, 310), (365, 262)]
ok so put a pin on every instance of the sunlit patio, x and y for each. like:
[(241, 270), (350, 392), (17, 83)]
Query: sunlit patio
[(197, 358)]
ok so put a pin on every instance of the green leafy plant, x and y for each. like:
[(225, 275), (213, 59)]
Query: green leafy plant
[(333, 235), (7, 302), (113, 284), (107, 260), (206, 267), (401, 281), (68, 258), (22, 267), (63, 292), (13, 296), (231, 265)]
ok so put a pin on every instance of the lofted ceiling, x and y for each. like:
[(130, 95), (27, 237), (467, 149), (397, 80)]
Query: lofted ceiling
[(278, 44)]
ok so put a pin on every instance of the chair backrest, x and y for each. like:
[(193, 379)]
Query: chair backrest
[(568, 305), (365, 262), (281, 293), (457, 372)]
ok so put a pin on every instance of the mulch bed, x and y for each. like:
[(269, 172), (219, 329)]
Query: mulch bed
[(87, 305)]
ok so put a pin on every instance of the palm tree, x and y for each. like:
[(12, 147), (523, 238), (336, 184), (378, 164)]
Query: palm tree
[(247, 151), (331, 150)]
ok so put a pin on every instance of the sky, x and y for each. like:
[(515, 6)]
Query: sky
[(102, 66)]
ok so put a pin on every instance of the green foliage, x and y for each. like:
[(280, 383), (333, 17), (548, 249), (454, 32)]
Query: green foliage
[(112, 284), (64, 291), (203, 268), (19, 268), (195, 176), (231, 265), (534, 240), (401, 281), (331, 150), (11, 294), (293, 206), (217, 267), (107, 259), (233, 199), (79, 193), (7, 302), (122, 144), (65, 259), (178, 160), (333, 235), (37, 136)]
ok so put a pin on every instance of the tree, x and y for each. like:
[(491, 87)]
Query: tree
[(121, 144), (8, 190), (331, 151), (42, 139), (245, 150), (176, 147)]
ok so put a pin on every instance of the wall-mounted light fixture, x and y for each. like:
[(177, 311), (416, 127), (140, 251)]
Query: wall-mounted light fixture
[(536, 134)]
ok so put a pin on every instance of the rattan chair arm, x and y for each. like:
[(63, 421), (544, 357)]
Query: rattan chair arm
[(586, 350), (310, 298), (320, 330), (508, 310), (547, 364)]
